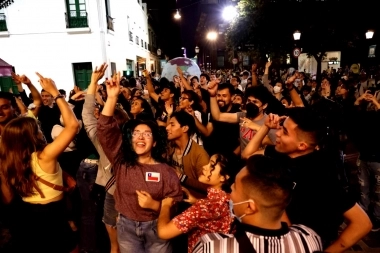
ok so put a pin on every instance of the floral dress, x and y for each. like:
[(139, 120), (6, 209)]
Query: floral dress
[(209, 215)]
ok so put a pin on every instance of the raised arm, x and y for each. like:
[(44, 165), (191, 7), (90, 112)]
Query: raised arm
[(297, 101), (149, 86), (185, 83), (50, 153), (109, 133), (253, 146), (89, 119), (266, 76), (37, 99), (215, 112)]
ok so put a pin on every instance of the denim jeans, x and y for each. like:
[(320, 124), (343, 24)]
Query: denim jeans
[(140, 237), (110, 214), (369, 180), (86, 176)]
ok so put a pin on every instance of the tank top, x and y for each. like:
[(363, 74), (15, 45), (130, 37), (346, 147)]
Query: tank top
[(49, 192)]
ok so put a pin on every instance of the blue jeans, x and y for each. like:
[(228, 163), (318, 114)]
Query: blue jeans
[(86, 176), (369, 180), (140, 237), (110, 214)]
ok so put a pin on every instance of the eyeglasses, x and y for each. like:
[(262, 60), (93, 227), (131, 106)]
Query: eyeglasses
[(182, 98), (137, 134)]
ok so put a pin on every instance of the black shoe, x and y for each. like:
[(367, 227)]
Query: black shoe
[(375, 226)]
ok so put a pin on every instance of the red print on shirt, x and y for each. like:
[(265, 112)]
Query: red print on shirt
[(209, 215)]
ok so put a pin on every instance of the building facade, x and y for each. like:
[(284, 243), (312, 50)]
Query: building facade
[(66, 39)]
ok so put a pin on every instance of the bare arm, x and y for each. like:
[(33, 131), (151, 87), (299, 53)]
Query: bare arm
[(166, 229), (50, 153), (255, 143), (358, 226), (149, 87), (297, 101), (185, 83)]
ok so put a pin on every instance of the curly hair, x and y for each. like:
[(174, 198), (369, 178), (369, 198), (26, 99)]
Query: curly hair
[(128, 154), (226, 170)]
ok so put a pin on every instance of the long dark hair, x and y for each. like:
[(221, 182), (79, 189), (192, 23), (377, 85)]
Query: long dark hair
[(20, 138), (147, 113), (226, 170), (128, 155)]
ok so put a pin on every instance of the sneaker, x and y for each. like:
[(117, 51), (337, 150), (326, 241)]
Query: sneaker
[(375, 226)]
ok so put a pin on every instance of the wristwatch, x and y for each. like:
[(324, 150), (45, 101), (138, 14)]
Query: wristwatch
[(58, 96)]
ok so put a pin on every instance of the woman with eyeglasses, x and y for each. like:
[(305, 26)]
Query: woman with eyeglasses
[(143, 180)]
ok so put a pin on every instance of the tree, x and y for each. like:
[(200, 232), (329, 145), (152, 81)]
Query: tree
[(329, 25)]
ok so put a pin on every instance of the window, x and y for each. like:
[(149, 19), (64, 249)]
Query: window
[(76, 15), (142, 43), (146, 46), (3, 22), (131, 36), (113, 67), (137, 40), (82, 74)]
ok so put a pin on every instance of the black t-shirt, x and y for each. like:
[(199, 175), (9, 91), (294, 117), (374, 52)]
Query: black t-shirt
[(161, 113), (49, 116), (224, 139), (318, 200)]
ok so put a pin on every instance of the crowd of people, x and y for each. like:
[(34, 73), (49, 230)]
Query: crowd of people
[(249, 161)]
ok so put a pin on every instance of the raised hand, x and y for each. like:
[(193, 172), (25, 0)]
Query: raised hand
[(16, 78), (273, 121), (179, 70), (98, 73), (24, 79), (212, 88), (113, 86), (249, 124), (146, 74), (48, 85), (267, 65)]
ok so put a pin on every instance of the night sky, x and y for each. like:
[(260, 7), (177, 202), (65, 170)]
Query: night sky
[(175, 34)]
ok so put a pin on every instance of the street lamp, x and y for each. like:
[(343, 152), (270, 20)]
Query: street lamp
[(229, 13), (212, 35), (159, 52), (369, 34), (297, 35), (177, 15)]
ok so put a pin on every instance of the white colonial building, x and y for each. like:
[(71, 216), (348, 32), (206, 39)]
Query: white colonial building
[(66, 39)]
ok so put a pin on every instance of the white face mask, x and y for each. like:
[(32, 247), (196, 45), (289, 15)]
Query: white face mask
[(276, 89), (231, 205)]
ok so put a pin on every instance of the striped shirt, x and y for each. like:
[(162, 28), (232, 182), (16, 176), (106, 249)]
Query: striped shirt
[(293, 239)]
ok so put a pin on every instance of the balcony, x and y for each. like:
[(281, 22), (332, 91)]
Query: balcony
[(76, 19), (131, 36), (3, 23), (110, 23)]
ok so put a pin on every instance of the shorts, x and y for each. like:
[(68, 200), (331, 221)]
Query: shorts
[(110, 213)]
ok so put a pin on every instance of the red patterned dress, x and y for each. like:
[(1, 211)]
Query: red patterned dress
[(209, 215)]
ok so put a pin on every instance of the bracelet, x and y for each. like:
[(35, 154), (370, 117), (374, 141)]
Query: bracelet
[(58, 96)]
